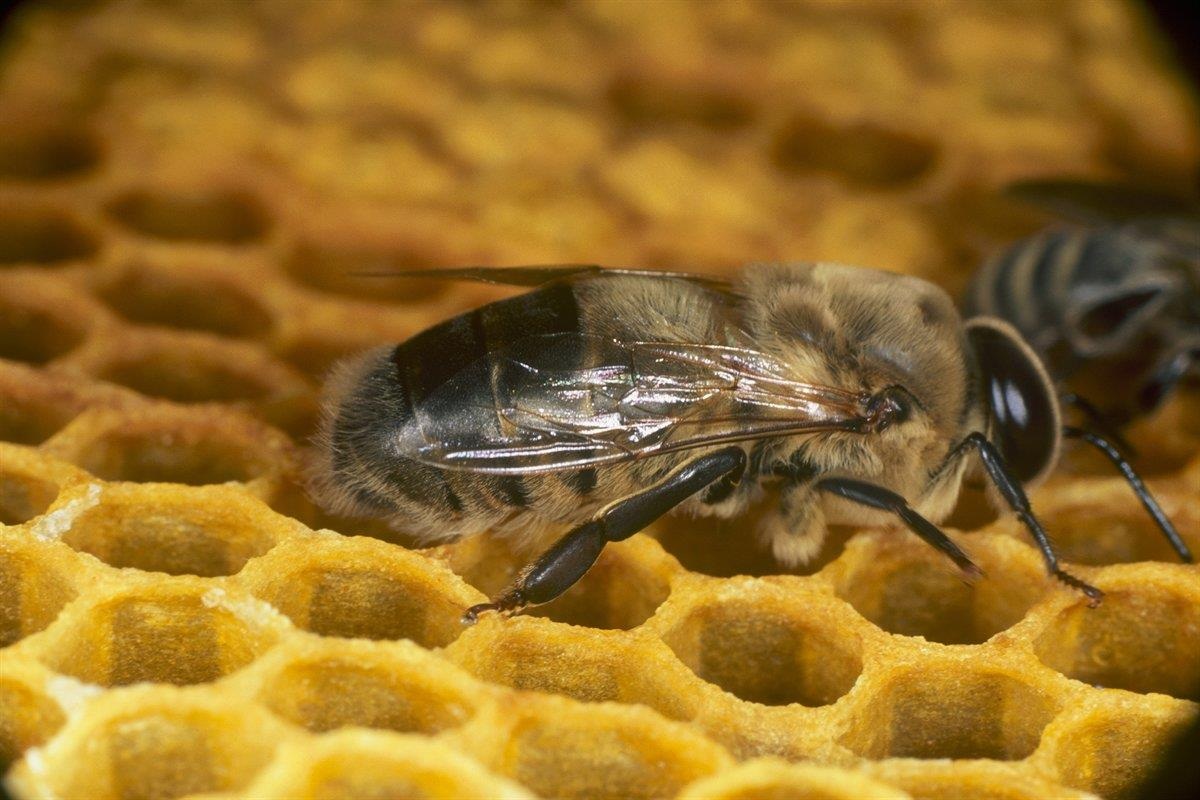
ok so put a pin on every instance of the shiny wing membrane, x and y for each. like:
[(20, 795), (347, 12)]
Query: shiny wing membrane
[(570, 400)]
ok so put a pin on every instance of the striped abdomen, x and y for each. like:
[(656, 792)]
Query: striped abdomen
[(1077, 294), (443, 385)]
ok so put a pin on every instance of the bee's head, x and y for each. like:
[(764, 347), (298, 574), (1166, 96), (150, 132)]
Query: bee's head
[(1021, 401)]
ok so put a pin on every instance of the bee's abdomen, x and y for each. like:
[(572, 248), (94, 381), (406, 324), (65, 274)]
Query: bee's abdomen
[(1029, 284), (1039, 284), (440, 384), (366, 470)]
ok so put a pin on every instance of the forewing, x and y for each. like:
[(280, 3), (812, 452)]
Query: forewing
[(569, 400)]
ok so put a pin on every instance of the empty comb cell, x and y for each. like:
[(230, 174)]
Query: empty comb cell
[(179, 530), (531, 653), (765, 645), (558, 748), (164, 443), (30, 482), (322, 684), (904, 587), (359, 587), (154, 742), (952, 710), (1144, 638), (41, 320), (179, 630)]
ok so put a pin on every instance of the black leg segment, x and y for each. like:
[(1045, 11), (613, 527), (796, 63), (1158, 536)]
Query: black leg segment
[(560, 567), (868, 494), (1014, 495), (1099, 421), (1139, 487)]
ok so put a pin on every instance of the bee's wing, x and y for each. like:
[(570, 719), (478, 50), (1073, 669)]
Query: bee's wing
[(536, 275), (566, 401), (1094, 203)]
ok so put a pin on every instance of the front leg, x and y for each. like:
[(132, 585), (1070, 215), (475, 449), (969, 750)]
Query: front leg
[(1010, 489), (560, 567), (1011, 492)]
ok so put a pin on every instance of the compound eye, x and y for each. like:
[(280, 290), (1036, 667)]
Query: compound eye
[(1020, 397)]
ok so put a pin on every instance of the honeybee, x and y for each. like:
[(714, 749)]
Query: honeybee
[(1112, 304), (604, 398), (1113, 296)]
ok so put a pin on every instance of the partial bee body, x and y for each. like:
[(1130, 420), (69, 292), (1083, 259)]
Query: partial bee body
[(603, 399), (1112, 297)]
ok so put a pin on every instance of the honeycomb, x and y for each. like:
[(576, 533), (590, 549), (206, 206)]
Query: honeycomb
[(186, 190)]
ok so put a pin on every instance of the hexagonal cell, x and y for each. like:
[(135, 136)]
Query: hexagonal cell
[(181, 633), (167, 444), (769, 648), (588, 665), (1113, 749), (340, 270), (47, 153), (154, 742), (221, 217), (26, 419), (34, 332), (28, 715), (906, 587), (354, 764), (200, 531), (1144, 637), (35, 584), (177, 299), (646, 102), (33, 406), (25, 489), (358, 684), (560, 748), (1102, 523), (187, 375), (862, 153), (951, 709), (42, 237), (358, 587)]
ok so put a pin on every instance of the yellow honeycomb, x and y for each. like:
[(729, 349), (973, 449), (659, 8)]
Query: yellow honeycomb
[(185, 190)]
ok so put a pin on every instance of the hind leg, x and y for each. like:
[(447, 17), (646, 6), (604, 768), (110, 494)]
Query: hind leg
[(561, 567)]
